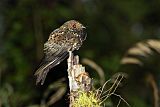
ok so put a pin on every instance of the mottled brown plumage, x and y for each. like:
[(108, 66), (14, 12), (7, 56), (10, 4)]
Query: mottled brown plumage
[(68, 37)]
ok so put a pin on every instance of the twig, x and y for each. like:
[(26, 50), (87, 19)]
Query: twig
[(110, 92), (122, 99), (153, 84), (119, 102), (96, 67)]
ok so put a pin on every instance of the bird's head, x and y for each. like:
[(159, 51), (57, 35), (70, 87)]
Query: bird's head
[(76, 27)]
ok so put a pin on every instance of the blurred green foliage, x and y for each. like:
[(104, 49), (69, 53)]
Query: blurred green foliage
[(112, 25)]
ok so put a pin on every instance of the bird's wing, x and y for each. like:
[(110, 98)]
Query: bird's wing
[(54, 54), (45, 66)]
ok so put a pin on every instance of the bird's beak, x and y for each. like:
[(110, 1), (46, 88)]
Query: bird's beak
[(83, 33)]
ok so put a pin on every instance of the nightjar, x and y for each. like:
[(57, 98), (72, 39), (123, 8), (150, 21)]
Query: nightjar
[(68, 37)]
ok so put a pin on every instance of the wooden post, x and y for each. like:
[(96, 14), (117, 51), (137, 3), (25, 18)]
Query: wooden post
[(79, 79)]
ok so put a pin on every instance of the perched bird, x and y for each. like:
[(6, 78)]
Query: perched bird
[(68, 37)]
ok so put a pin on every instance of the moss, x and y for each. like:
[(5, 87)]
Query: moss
[(87, 99)]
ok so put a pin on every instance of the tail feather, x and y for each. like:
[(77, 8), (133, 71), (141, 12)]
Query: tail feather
[(45, 66)]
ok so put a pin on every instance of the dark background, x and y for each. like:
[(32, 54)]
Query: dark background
[(113, 26)]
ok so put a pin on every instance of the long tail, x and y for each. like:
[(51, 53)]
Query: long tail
[(45, 66)]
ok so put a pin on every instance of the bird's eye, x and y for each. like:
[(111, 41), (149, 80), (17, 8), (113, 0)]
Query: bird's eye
[(74, 25)]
